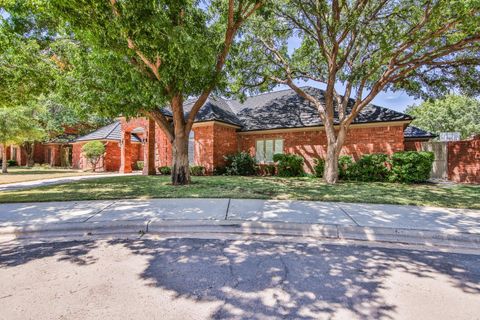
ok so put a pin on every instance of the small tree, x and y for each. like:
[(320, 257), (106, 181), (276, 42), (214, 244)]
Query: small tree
[(93, 151), (16, 127)]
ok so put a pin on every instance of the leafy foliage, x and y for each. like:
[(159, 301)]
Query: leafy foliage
[(411, 166), (197, 170), (240, 164), (139, 165), (289, 165), (451, 113), (166, 170), (93, 151), (344, 165), (319, 167), (370, 167), (362, 48)]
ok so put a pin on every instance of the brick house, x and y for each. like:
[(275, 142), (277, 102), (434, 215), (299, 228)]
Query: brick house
[(276, 122), (56, 152)]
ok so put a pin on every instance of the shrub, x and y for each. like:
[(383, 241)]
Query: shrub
[(166, 170), (411, 166), (370, 167), (139, 165), (197, 170), (93, 151), (240, 164), (319, 167), (219, 171), (269, 169), (344, 166), (12, 163), (289, 165)]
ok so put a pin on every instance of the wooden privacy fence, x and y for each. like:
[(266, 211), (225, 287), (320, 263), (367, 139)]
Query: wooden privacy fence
[(440, 165)]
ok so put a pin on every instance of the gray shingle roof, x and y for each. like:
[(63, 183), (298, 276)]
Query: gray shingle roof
[(109, 132), (286, 109), (273, 110), (414, 132)]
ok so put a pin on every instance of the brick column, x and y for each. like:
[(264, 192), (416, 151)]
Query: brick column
[(126, 153), (149, 150)]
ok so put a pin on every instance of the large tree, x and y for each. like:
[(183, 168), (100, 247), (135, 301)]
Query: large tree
[(30, 74), (455, 113), (362, 47), (177, 47)]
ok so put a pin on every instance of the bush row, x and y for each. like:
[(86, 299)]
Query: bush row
[(244, 164), (10, 163), (405, 167), (194, 170)]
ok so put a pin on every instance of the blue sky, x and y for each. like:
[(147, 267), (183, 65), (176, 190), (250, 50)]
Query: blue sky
[(397, 100)]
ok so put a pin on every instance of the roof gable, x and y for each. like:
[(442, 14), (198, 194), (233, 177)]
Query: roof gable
[(108, 132)]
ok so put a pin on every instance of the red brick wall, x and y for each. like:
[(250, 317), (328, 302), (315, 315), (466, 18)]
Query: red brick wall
[(413, 145), (110, 162), (212, 142), (312, 144), (464, 160), (163, 147), (204, 146)]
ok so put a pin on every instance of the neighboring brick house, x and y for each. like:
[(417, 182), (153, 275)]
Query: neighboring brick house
[(276, 122), (56, 152)]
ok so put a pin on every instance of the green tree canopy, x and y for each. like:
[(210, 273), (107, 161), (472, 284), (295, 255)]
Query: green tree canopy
[(453, 113), (145, 55), (356, 49), (17, 126)]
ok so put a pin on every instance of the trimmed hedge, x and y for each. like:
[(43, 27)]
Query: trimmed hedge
[(289, 165), (139, 165), (411, 166), (404, 166), (240, 164), (319, 167), (197, 170), (166, 170), (370, 167)]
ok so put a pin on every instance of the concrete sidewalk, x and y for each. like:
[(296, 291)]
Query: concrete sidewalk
[(406, 224), (52, 181)]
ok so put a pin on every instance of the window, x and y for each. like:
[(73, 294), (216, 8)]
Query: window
[(265, 149), (191, 148), (14, 154)]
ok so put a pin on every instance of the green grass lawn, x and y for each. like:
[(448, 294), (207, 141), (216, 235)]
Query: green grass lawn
[(21, 174), (146, 187)]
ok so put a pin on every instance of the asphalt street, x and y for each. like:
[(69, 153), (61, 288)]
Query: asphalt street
[(179, 278)]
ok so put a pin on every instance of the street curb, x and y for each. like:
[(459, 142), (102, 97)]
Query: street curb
[(77, 228), (241, 227)]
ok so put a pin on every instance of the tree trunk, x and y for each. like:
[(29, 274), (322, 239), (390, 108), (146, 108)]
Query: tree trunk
[(335, 142), (4, 159), (180, 170), (29, 148), (331, 165)]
